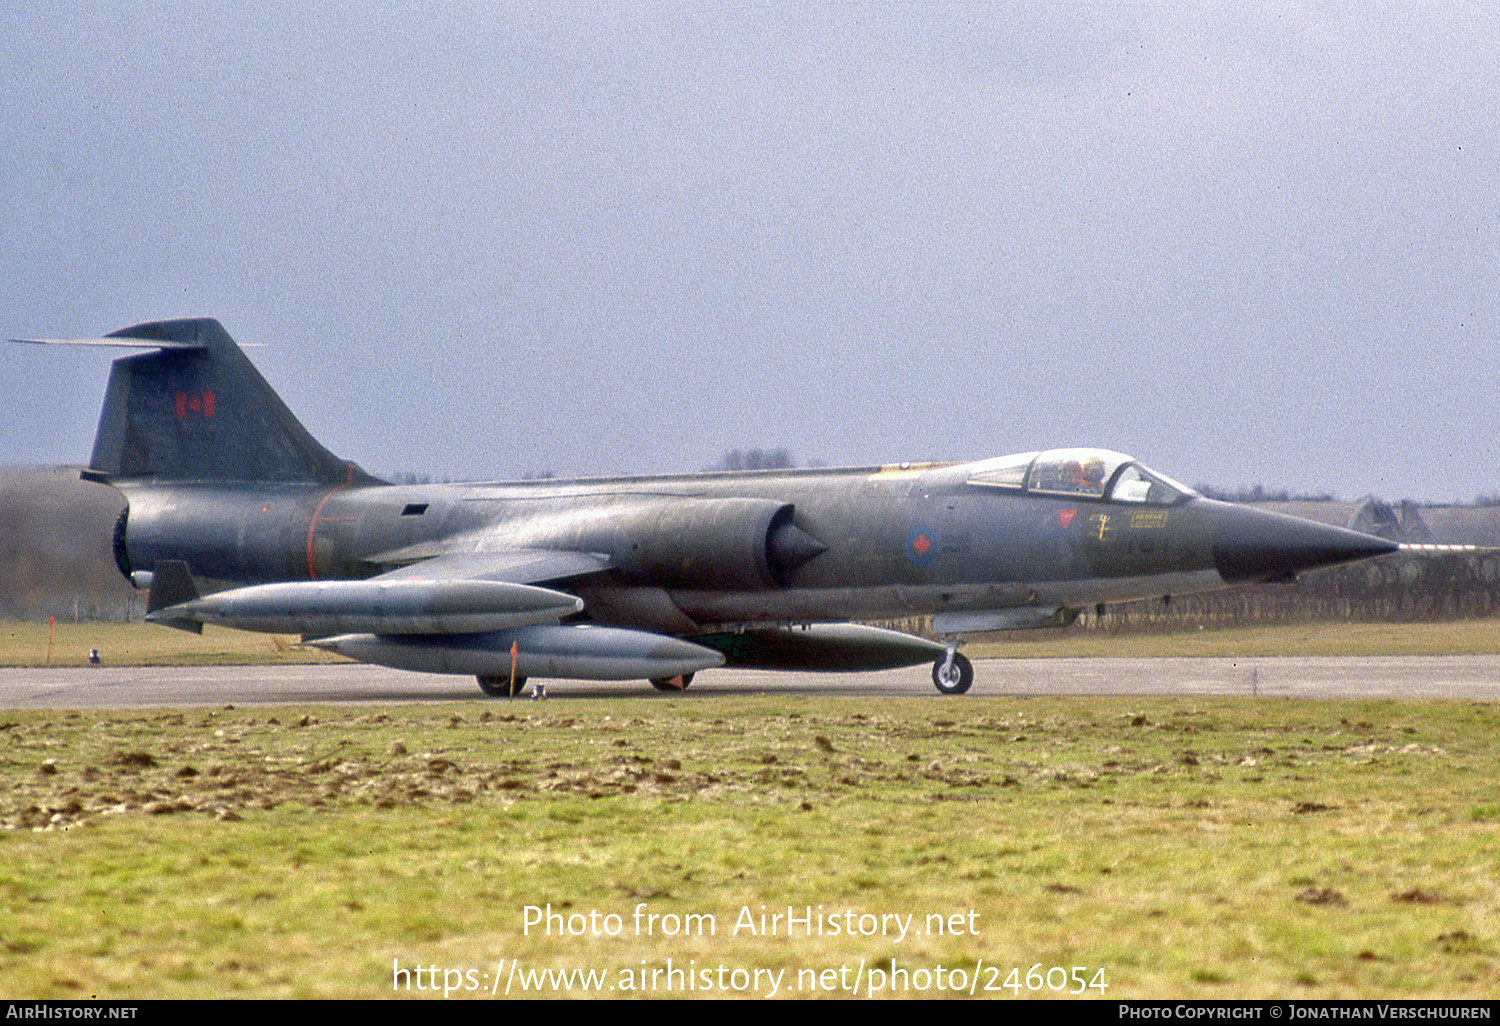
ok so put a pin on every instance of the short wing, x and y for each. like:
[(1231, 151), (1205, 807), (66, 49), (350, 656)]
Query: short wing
[(514, 566)]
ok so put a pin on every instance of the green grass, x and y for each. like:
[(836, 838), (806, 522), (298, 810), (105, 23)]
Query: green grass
[(24, 643), (139, 644), (1453, 637), (1200, 848)]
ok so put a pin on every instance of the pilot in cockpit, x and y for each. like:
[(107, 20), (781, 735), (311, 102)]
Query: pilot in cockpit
[(1086, 477)]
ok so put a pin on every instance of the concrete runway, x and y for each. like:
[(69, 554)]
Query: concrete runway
[(1462, 677)]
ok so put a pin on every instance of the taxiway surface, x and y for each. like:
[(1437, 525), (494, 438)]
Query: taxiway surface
[(1402, 677)]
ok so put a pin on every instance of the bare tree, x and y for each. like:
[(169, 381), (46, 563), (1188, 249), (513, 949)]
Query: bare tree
[(754, 459)]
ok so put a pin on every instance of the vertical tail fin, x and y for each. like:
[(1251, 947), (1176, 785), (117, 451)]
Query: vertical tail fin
[(198, 410)]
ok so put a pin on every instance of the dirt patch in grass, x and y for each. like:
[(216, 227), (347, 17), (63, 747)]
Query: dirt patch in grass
[(1214, 848)]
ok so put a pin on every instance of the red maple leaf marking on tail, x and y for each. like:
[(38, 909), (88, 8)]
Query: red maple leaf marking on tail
[(201, 404)]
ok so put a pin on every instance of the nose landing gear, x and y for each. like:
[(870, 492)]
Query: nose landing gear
[(953, 674)]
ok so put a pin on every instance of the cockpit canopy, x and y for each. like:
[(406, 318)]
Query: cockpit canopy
[(1080, 473)]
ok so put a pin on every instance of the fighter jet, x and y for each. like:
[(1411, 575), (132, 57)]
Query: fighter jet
[(236, 516)]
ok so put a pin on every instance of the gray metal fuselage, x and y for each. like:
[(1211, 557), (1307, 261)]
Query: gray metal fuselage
[(900, 541)]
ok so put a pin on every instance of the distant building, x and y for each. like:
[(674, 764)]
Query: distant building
[(1381, 519)]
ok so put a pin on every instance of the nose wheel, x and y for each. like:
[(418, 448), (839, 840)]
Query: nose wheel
[(953, 674)]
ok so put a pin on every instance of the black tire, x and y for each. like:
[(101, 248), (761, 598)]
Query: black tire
[(958, 680), (499, 687), (672, 684)]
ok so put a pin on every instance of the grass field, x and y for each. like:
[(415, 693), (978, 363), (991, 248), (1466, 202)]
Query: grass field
[(139, 644), (1455, 637), (1165, 848), (25, 643)]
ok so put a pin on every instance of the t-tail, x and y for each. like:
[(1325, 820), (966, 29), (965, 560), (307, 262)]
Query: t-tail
[(198, 410)]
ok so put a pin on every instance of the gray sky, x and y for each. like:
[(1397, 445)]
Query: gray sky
[(1246, 243)]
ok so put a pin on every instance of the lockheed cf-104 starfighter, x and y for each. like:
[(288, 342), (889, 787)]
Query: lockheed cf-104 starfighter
[(235, 515)]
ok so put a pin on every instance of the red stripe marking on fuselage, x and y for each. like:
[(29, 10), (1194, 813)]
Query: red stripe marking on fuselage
[(312, 526)]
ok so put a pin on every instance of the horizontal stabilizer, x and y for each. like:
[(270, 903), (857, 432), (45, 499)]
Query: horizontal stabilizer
[(113, 343)]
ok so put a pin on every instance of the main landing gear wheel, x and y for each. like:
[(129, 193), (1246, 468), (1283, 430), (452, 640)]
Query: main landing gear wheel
[(673, 684), (953, 678), (500, 687)]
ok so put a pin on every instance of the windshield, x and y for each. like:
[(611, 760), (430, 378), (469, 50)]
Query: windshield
[(1084, 473), (1137, 484)]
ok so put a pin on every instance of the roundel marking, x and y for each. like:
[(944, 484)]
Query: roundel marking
[(920, 548)]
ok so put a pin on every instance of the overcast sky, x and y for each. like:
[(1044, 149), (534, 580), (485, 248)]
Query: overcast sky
[(1246, 243)]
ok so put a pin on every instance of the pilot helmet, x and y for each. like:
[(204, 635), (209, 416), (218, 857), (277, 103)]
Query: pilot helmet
[(1093, 471)]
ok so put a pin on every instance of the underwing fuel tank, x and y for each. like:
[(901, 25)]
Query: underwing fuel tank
[(574, 651), (386, 607), (837, 647)]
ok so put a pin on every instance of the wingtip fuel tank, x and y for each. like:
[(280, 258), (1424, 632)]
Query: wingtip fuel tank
[(316, 608), (577, 651)]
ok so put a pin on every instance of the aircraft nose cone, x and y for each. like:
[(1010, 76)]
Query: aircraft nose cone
[(1256, 545)]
